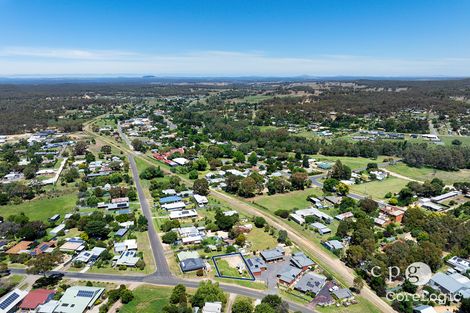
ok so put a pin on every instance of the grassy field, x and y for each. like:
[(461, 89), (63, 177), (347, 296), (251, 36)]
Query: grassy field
[(42, 209), (426, 173), (226, 270), (288, 201), (260, 240), (377, 189), (448, 139), (148, 299), (352, 162)]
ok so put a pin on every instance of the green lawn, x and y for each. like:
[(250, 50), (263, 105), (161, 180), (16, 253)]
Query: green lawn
[(260, 240), (425, 173), (226, 270), (448, 139), (377, 189), (288, 201), (42, 209), (148, 299)]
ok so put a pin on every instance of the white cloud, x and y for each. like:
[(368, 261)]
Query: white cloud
[(43, 61)]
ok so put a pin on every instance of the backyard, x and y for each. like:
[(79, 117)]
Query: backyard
[(377, 189), (148, 299), (42, 209)]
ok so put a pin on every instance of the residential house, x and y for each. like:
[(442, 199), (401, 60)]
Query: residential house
[(9, 303), (273, 255), (460, 264), (333, 245), (343, 294), (78, 299), (424, 309), (453, 284), (344, 216), (174, 206), (300, 260), (201, 200), (129, 244), (184, 255), (36, 298), (127, 258), (170, 199), (289, 275), (256, 265), (57, 229), (43, 247), (89, 256), (73, 245), (20, 247), (321, 229), (192, 264), (183, 214), (212, 307), (310, 283), (333, 199), (121, 232)]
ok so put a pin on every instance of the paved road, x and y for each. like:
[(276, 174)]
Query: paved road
[(124, 136), (156, 279), (163, 270)]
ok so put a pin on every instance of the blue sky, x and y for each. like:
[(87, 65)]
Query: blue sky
[(232, 38)]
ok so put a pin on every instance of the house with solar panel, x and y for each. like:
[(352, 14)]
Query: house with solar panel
[(11, 301), (78, 299)]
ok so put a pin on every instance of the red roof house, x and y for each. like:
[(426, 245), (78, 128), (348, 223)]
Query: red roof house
[(35, 298)]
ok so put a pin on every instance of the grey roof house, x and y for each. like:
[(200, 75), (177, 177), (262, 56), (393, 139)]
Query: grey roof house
[(273, 255), (300, 260), (311, 282), (192, 264)]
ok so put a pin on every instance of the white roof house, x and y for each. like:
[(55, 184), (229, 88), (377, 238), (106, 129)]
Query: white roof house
[(128, 258), (181, 161), (212, 307), (57, 229), (10, 301), (183, 214), (174, 206), (201, 200), (78, 299), (129, 244), (460, 264)]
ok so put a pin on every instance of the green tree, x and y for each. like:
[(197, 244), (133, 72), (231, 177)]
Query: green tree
[(201, 187), (253, 159), (247, 187), (170, 237), (264, 308), (208, 292), (239, 157), (242, 305), (329, 185), (342, 189), (259, 221), (179, 295), (44, 262)]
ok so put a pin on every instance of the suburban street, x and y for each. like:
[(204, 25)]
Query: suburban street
[(163, 270)]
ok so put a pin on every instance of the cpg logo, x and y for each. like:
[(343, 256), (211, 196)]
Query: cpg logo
[(417, 273)]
